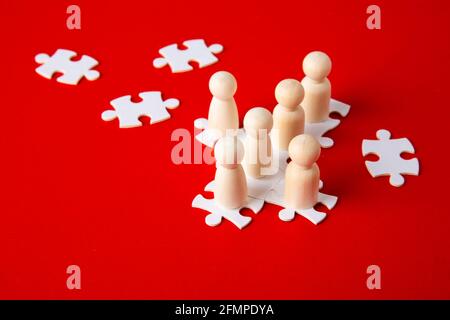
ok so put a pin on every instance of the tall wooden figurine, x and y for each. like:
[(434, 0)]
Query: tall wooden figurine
[(288, 115), (317, 67), (223, 114)]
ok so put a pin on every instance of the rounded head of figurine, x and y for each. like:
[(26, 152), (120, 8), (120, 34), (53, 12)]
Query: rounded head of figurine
[(222, 85), (289, 93), (304, 150), (317, 65), (257, 119), (229, 151)]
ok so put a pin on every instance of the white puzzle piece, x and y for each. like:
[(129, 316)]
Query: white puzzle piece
[(276, 197), (72, 71), (257, 188), (128, 112), (197, 51), (317, 130), (210, 137), (390, 162), (206, 137), (217, 212)]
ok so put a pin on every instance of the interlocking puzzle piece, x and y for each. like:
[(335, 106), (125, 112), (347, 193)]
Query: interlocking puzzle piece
[(217, 212), (206, 137), (258, 188), (276, 197), (390, 162), (317, 130), (178, 60), (128, 112), (72, 71), (209, 137)]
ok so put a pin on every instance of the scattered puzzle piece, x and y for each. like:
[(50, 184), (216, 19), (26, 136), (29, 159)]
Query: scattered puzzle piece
[(72, 71), (275, 197), (178, 60), (128, 112), (390, 162), (317, 130), (217, 212)]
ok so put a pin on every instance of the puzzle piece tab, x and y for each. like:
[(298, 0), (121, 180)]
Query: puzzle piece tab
[(275, 197), (390, 162), (217, 212), (72, 71), (197, 51), (318, 129), (128, 112)]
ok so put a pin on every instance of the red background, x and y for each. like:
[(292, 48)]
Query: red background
[(78, 190)]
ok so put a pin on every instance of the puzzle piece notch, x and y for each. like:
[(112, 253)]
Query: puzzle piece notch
[(72, 71), (319, 129), (339, 107), (390, 162), (217, 213), (287, 214), (179, 59), (128, 112)]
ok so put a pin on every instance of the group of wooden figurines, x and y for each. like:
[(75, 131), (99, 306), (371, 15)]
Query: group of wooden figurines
[(298, 102)]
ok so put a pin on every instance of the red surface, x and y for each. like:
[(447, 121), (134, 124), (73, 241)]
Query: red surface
[(77, 190)]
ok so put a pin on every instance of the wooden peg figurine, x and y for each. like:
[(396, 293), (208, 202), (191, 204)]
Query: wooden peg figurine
[(302, 173), (258, 148), (317, 67), (223, 114), (288, 115), (231, 184)]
